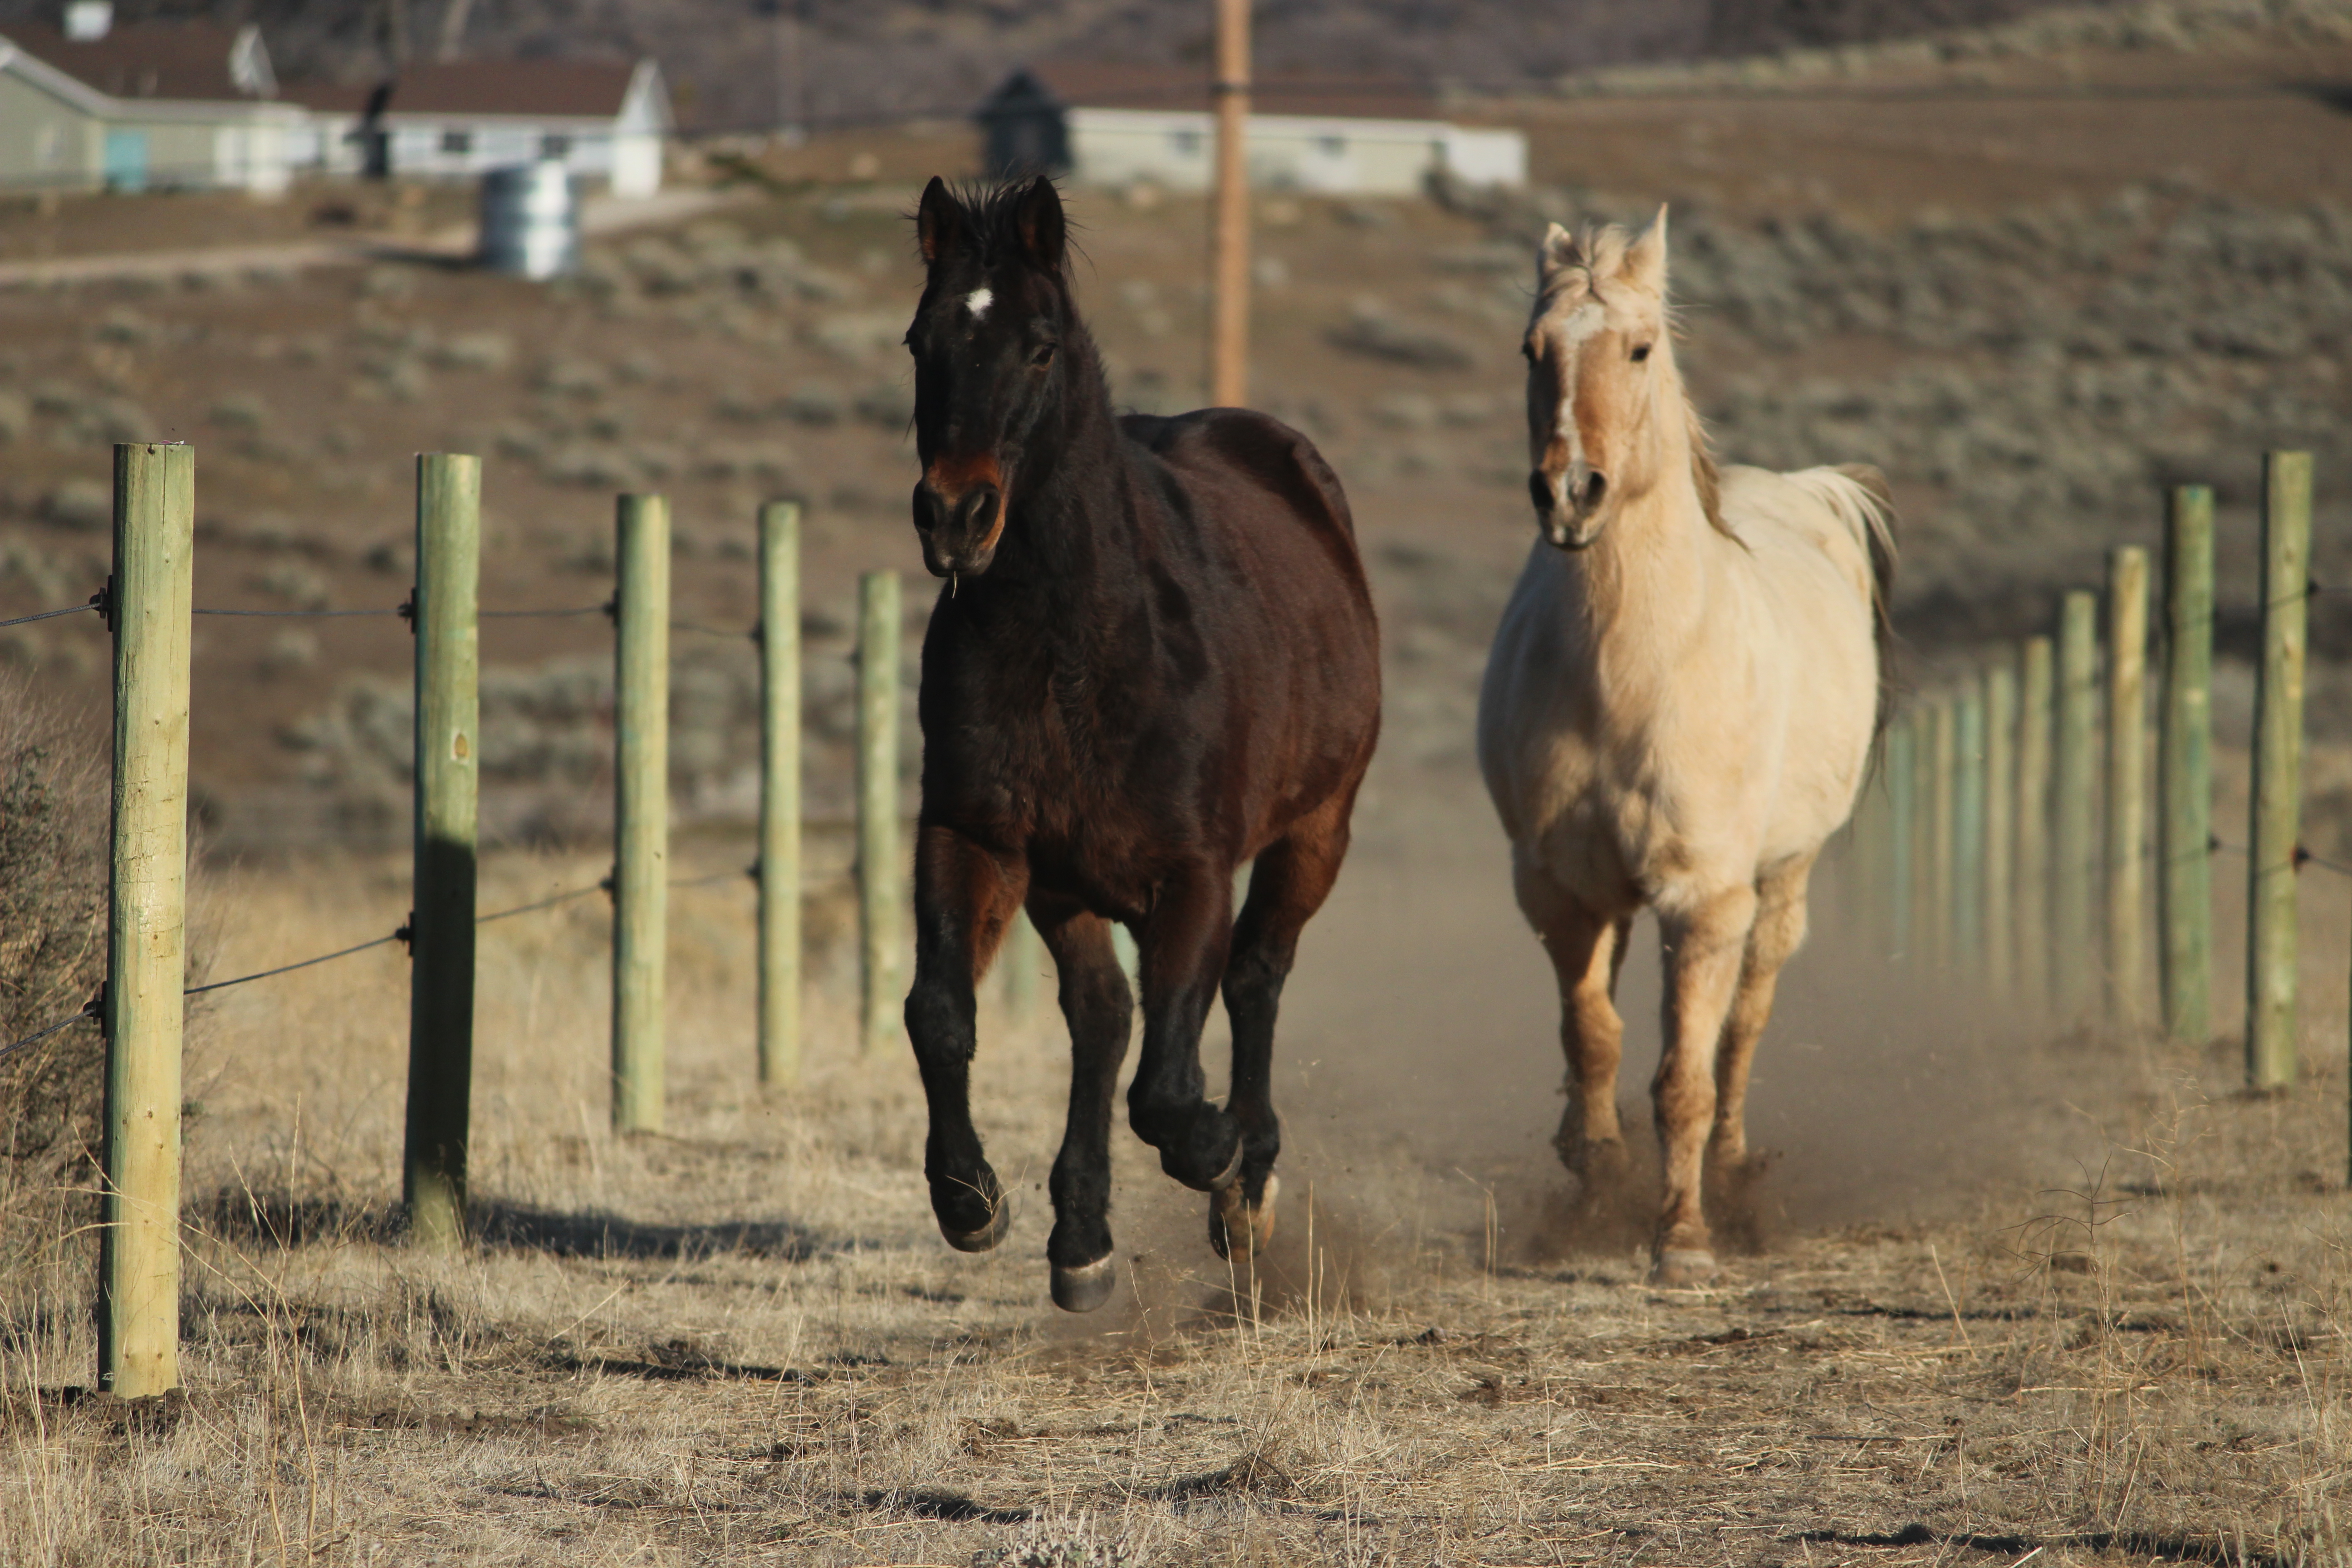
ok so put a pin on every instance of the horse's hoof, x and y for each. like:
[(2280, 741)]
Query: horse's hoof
[(1683, 1268), (1085, 1288), (1238, 1231), (1000, 1221)]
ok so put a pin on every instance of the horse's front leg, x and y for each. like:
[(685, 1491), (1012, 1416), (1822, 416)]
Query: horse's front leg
[(1100, 1010), (964, 895), (1704, 946), (1183, 945), (1779, 930)]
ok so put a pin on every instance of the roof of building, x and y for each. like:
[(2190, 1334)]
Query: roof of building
[(568, 89), (1106, 84), (189, 61)]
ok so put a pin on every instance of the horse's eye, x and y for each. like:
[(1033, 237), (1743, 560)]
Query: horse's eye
[(1640, 352), (1042, 356)]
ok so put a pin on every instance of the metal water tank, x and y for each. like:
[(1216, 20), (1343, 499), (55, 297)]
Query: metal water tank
[(530, 220)]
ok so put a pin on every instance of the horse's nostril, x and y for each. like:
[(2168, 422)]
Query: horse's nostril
[(977, 511), (929, 512), (1539, 490), (1593, 485)]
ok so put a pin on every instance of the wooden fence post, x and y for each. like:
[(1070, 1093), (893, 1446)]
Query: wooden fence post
[(641, 863), (1943, 770), (441, 926), (2035, 680), (2271, 930), (1968, 829), (879, 871), (2074, 849), (2126, 817), (1860, 868), (780, 795), (2185, 806), (2001, 827), (146, 932), (1924, 891), (1902, 764)]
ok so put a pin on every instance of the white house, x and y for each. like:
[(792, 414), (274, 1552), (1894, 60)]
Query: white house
[(1109, 124), (159, 104), (455, 118)]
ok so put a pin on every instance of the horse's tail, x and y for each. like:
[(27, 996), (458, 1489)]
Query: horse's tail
[(1858, 493)]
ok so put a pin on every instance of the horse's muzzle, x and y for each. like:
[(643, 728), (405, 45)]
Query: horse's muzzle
[(1564, 526), (959, 533)]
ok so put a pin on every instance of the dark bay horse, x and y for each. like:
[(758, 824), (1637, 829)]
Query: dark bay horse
[(1156, 659)]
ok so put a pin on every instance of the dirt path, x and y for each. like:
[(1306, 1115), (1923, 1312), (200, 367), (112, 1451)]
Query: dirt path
[(600, 215)]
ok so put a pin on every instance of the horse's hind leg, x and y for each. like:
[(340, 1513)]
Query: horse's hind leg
[(1101, 1014), (1586, 951), (1705, 946), (964, 895), (1290, 883), (1780, 930)]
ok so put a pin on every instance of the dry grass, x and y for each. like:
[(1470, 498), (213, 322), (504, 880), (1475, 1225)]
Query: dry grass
[(740, 1340)]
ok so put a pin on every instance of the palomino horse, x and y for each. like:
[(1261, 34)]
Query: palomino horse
[(1677, 712), (1156, 659)]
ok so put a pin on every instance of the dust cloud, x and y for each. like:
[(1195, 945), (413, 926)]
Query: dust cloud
[(1419, 1075)]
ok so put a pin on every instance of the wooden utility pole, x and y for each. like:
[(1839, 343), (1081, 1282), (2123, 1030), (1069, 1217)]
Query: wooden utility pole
[(448, 732), (146, 929), (1229, 289)]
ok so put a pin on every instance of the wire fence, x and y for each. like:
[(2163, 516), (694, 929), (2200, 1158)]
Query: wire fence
[(403, 934), (407, 610)]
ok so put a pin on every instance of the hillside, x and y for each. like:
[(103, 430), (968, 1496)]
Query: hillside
[(733, 65), (2034, 313)]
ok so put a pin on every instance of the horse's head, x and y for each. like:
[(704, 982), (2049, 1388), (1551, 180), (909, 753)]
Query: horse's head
[(1598, 365), (987, 339)]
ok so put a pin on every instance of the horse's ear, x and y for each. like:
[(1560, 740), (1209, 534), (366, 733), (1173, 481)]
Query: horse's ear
[(939, 222), (1038, 219), (1645, 259), (1559, 250)]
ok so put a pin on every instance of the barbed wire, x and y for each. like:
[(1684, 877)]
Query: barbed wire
[(89, 1011), (604, 885), (405, 934), (2304, 857), (401, 611), (53, 615), (405, 611)]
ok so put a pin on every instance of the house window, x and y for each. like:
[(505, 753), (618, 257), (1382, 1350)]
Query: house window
[(555, 144), (456, 143), (48, 147), (1184, 144), (1331, 146)]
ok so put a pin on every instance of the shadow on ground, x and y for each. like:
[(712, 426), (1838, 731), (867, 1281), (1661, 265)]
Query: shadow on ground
[(275, 1219)]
